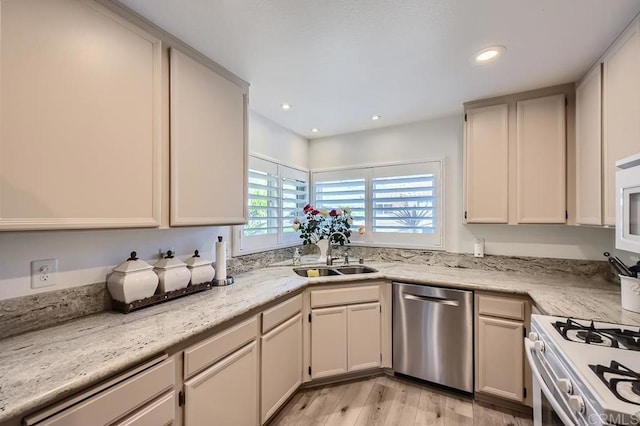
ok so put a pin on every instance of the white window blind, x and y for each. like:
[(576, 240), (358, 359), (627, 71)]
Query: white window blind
[(276, 195), (336, 190), (397, 204)]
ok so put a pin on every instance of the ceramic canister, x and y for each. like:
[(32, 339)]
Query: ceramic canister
[(172, 272), (132, 280), (200, 268)]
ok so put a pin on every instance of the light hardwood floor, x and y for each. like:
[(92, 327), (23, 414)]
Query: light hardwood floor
[(386, 400)]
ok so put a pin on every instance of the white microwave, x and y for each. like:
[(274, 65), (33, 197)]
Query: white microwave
[(628, 204)]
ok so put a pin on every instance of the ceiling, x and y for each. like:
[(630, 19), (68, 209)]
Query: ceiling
[(338, 62)]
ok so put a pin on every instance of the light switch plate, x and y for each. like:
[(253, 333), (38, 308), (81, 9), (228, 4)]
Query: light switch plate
[(43, 273)]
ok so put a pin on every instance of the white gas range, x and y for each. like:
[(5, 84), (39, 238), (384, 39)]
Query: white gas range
[(584, 373)]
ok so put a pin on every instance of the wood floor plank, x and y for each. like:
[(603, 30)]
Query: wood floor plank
[(376, 408), (404, 407), (391, 401), (430, 409), (353, 400)]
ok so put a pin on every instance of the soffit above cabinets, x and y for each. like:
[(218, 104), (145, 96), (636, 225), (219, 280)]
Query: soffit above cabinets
[(339, 62)]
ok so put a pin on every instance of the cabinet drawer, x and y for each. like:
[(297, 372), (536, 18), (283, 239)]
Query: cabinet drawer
[(159, 413), (501, 307), (202, 355), (344, 296), (116, 401), (280, 313)]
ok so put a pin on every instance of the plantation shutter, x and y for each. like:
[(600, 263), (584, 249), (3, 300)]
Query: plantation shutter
[(295, 195), (263, 199), (337, 190)]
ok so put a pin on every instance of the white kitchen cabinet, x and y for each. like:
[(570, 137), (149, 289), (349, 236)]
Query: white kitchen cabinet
[(541, 160), (226, 393), (621, 109), (81, 118), (346, 330), (500, 358), (487, 164), (281, 355), (363, 334), (328, 342), (145, 394), (589, 148), (221, 377), (501, 370), (208, 145)]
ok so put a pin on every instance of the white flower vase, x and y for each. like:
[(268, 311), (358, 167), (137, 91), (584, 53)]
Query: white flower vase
[(323, 245)]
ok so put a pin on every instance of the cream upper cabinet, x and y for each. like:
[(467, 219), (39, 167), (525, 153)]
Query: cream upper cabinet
[(487, 164), (81, 118), (621, 109), (589, 149), (208, 145), (541, 160)]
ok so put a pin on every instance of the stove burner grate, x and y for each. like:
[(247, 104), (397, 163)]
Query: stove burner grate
[(621, 380), (573, 331)]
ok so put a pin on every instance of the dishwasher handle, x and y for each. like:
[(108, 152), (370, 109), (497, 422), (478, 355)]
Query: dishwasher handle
[(440, 300)]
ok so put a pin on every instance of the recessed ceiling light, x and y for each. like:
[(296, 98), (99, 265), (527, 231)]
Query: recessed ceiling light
[(488, 54), (376, 117), (285, 107), (314, 130)]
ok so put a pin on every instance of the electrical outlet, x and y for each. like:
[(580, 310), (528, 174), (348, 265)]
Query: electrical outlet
[(43, 273)]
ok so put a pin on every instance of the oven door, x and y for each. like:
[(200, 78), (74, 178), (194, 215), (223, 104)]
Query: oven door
[(549, 407)]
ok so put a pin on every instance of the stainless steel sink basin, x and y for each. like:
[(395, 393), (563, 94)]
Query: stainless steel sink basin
[(355, 269), (323, 271), (326, 271)]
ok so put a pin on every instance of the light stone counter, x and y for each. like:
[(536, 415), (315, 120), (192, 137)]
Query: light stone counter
[(39, 367)]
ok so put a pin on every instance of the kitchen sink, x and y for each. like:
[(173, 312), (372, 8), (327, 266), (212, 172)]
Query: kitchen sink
[(355, 269), (326, 271)]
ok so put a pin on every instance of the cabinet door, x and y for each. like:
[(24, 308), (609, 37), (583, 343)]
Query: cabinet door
[(281, 365), (226, 393), (541, 164), (363, 336), (500, 358), (328, 342), (80, 95), (589, 149), (208, 146), (487, 164), (621, 112)]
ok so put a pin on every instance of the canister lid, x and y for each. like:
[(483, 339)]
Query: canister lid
[(169, 262), (132, 264), (196, 260)]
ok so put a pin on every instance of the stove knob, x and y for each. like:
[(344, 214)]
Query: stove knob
[(538, 345), (565, 385), (576, 403), (533, 336)]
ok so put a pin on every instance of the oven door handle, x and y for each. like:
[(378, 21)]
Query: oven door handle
[(528, 348)]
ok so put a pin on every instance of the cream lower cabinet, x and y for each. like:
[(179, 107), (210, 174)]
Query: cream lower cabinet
[(281, 356), (501, 370), (222, 378), (345, 334)]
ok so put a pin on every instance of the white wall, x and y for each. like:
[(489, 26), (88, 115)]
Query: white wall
[(443, 138), (271, 141)]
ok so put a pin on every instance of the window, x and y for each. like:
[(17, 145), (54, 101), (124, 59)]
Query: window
[(276, 195), (397, 204)]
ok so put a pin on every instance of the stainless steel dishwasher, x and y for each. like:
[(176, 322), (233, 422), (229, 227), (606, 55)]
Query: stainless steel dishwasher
[(433, 334)]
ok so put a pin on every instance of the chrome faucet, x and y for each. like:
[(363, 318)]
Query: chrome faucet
[(329, 256)]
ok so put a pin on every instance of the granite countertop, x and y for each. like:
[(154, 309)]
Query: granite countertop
[(39, 367)]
